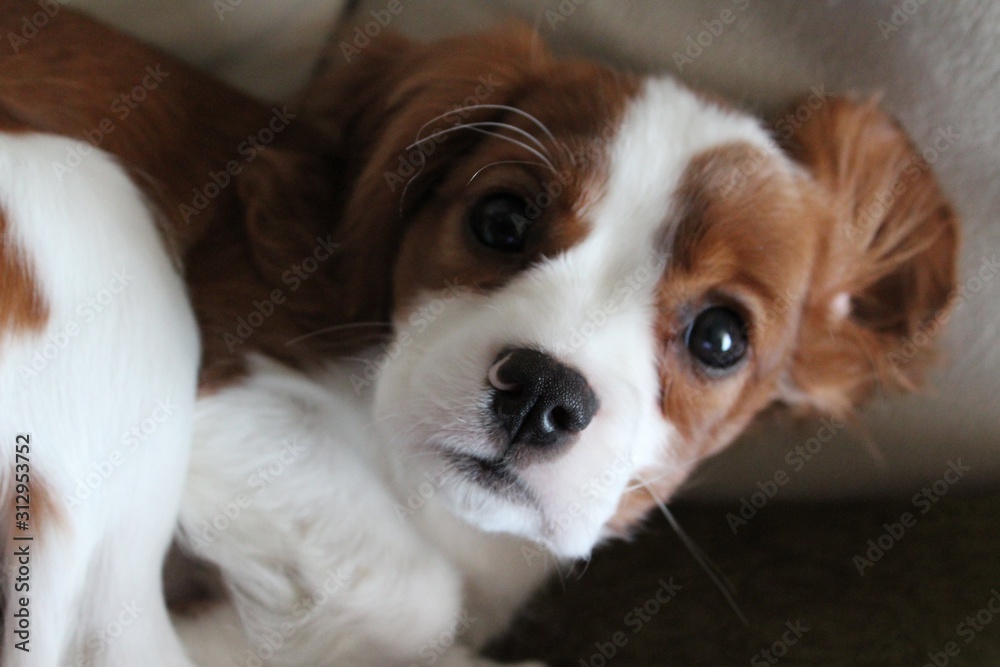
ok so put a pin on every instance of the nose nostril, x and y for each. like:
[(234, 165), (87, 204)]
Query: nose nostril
[(562, 419), (493, 376)]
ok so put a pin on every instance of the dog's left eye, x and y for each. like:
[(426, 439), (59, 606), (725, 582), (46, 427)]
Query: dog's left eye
[(717, 338), (499, 221)]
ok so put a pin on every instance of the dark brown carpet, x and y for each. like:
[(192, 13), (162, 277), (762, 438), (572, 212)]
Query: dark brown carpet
[(791, 564)]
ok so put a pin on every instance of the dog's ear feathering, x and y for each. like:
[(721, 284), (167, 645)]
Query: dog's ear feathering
[(883, 283)]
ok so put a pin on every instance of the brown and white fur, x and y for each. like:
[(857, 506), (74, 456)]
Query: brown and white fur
[(347, 456)]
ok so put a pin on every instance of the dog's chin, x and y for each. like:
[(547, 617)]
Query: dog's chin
[(493, 498)]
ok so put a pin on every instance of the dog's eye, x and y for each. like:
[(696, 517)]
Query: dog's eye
[(717, 338), (499, 221)]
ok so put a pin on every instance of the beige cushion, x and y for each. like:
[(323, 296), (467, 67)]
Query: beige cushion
[(265, 47)]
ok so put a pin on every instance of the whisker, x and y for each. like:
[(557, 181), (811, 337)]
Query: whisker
[(522, 113), (501, 107), (477, 127), (494, 164), (681, 466), (484, 123), (558, 567), (710, 568), (339, 327), (871, 446), (443, 116)]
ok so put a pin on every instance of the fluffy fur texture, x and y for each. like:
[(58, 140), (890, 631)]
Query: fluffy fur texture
[(370, 504)]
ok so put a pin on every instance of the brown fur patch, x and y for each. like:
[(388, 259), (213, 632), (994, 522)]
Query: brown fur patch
[(22, 307), (740, 243)]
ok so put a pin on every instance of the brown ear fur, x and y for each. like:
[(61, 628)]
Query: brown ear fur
[(290, 196), (889, 253)]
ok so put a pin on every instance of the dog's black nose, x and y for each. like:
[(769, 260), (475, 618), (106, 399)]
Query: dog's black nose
[(538, 401)]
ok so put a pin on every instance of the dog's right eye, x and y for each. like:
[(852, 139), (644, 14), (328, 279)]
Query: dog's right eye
[(499, 221), (717, 338)]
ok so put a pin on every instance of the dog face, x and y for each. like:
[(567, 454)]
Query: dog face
[(596, 280), (580, 353)]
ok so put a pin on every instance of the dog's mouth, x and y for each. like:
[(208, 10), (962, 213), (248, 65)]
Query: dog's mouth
[(496, 494), (494, 475)]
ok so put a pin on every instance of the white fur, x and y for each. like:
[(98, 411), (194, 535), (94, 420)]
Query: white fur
[(303, 483), (95, 590)]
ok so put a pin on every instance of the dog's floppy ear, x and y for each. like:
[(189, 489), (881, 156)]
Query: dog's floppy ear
[(289, 194), (885, 271), (378, 107)]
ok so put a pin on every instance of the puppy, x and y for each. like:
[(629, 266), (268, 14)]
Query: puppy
[(389, 359)]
